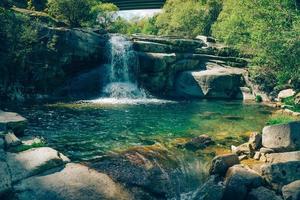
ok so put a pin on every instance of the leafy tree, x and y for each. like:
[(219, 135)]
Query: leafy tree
[(105, 14), (188, 17), (75, 12)]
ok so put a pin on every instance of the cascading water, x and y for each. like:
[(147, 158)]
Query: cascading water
[(121, 80)]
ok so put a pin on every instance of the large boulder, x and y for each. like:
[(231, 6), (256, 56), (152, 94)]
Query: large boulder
[(262, 193), (291, 191), (33, 161), (282, 137), (212, 83), (280, 174), (220, 164), (10, 121), (212, 189), (5, 178), (238, 181), (75, 181)]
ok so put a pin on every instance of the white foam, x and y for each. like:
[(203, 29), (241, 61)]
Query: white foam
[(128, 101)]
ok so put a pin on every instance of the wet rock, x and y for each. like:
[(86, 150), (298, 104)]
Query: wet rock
[(266, 150), (262, 193), (11, 140), (5, 178), (212, 189), (286, 93), (280, 174), (238, 181), (75, 181), (33, 161), (220, 164), (255, 140), (291, 191), (14, 122), (283, 157), (282, 137), (199, 142)]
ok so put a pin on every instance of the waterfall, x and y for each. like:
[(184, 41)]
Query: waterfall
[(121, 73)]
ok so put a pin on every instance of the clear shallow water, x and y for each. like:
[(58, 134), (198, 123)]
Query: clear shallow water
[(85, 131)]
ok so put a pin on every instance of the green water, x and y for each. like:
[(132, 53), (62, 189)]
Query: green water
[(86, 131)]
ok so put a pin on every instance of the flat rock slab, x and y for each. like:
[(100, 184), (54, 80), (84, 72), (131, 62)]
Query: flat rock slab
[(283, 157), (12, 121), (75, 181), (34, 161)]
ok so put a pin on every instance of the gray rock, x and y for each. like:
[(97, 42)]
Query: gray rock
[(286, 93), (283, 157), (212, 189), (11, 140), (262, 193), (212, 83), (282, 137), (5, 179), (243, 157), (153, 47), (257, 155), (280, 174), (238, 181), (242, 149), (266, 150), (220, 164), (10, 121), (75, 181), (246, 94), (255, 140), (33, 161), (291, 191)]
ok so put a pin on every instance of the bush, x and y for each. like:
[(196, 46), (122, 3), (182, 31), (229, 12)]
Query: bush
[(283, 119)]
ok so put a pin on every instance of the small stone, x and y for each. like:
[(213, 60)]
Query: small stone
[(262, 193), (291, 191), (255, 140), (266, 150), (11, 140), (257, 155), (243, 157), (286, 93), (220, 164)]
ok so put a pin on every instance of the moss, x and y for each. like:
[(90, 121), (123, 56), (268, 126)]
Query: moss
[(281, 119), (23, 147)]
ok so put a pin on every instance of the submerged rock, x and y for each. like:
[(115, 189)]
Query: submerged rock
[(291, 191), (14, 122), (282, 137), (75, 181), (262, 193), (33, 161), (199, 142), (220, 164)]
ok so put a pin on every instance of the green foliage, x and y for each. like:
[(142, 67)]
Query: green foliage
[(290, 102), (188, 17), (258, 98), (24, 147), (74, 12), (104, 14), (270, 31), (282, 119)]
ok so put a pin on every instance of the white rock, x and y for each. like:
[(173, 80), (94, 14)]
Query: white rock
[(11, 140), (75, 181), (12, 121), (286, 93), (33, 161)]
